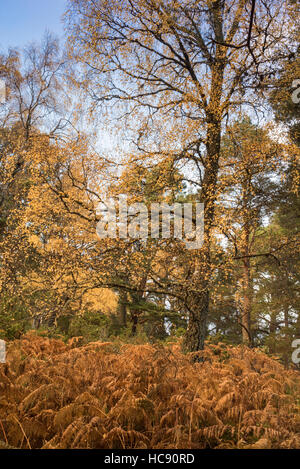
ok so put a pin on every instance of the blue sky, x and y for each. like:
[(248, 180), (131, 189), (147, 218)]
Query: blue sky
[(25, 21)]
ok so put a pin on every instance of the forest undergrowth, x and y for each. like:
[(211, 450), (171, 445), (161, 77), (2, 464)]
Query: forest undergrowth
[(107, 395)]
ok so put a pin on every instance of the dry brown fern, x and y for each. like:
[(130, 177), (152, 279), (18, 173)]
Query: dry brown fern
[(56, 395)]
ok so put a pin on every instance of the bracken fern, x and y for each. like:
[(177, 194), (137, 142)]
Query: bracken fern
[(56, 395)]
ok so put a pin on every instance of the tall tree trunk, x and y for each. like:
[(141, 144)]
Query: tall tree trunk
[(272, 329), (246, 303), (122, 308), (198, 301), (137, 297), (286, 353), (197, 328), (135, 319), (246, 263)]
